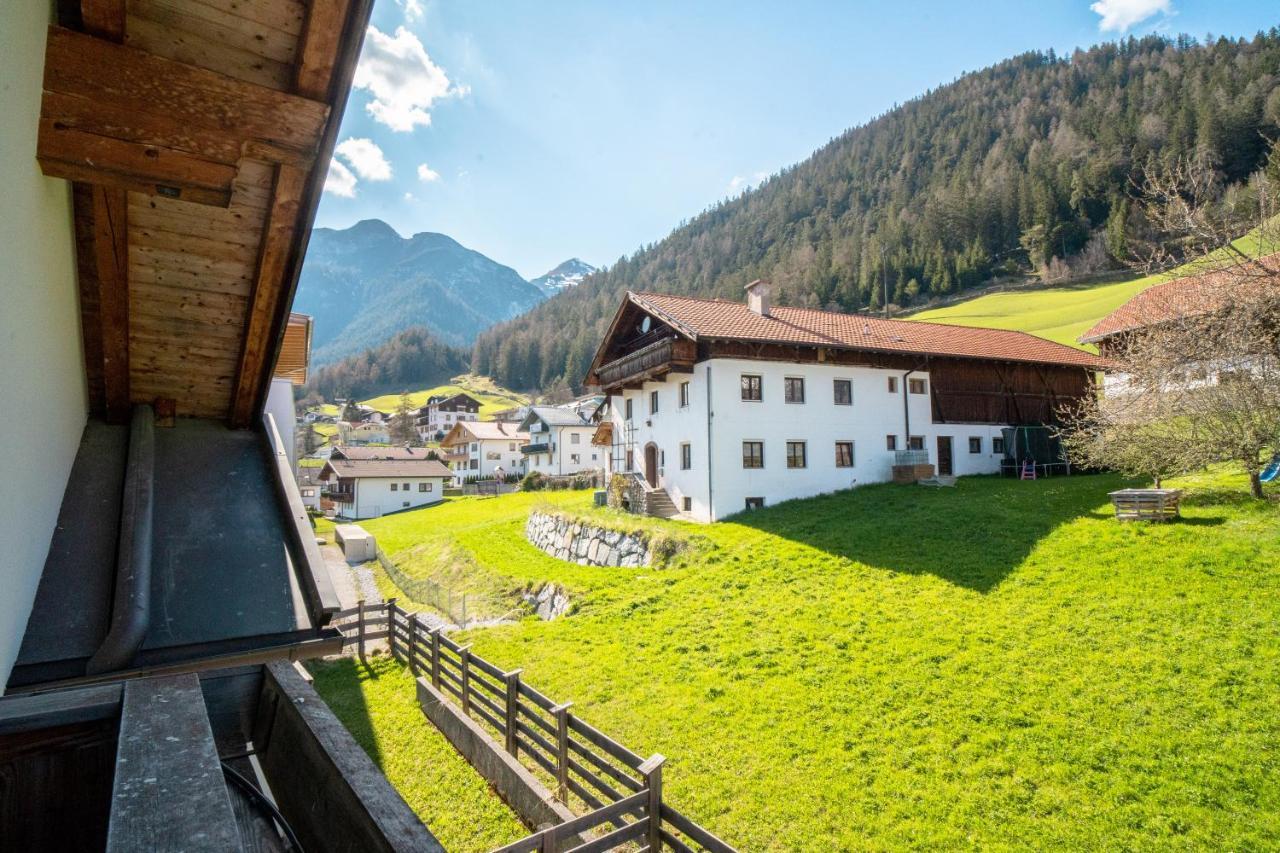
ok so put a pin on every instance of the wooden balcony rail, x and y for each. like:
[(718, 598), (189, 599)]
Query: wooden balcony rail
[(649, 362), (620, 790)]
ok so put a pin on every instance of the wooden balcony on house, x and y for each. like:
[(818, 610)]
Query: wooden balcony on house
[(653, 361)]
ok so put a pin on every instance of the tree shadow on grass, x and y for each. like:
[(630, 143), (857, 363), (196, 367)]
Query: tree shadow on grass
[(973, 535), (339, 684)]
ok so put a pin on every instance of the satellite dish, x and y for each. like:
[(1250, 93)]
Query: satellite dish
[(645, 324)]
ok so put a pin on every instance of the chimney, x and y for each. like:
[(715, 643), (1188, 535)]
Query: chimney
[(758, 297)]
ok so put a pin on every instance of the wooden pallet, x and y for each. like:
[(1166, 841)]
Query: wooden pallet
[(1146, 504)]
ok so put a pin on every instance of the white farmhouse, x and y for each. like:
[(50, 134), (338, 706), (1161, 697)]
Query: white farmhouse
[(560, 441), (366, 432), (479, 448), (716, 406), (369, 488)]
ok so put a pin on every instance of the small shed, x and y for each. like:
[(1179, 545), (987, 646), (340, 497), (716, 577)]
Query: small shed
[(357, 544)]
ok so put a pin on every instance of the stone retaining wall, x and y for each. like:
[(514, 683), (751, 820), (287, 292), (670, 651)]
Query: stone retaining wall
[(584, 543)]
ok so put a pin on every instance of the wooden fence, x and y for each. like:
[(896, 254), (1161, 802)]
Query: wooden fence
[(590, 770)]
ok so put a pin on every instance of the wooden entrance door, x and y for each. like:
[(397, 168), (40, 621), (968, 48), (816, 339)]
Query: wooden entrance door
[(651, 464), (944, 456)]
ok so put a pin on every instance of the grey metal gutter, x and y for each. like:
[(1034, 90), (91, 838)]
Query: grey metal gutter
[(131, 608)]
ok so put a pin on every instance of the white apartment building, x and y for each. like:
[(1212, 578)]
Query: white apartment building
[(480, 448), (369, 488), (560, 441), (729, 407), (441, 412)]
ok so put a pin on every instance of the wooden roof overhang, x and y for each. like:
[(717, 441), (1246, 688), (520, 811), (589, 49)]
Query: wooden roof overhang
[(197, 135)]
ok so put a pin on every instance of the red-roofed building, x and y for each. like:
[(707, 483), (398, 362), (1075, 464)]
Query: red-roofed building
[(725, 405)]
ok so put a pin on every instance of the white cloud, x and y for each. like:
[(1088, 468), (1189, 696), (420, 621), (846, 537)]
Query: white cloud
[(1120, 15), (410, 197), (340, 181), (365, 157), (426, 174), (412, 9), (403, 80)]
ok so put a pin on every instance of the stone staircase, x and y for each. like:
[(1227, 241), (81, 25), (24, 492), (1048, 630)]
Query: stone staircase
[(659, 504)]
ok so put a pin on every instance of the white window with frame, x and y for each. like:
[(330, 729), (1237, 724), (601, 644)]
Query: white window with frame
[(842, 392), (684, 395), (753, 454), (793, 389), (686, 456), (893, 384), (653, 402), (917, 386), (915, 442), (844, 454), (975, 444), (627, 408), (997, 445), (575, 438), (575, 458), (395, 487), (797, 454), (752, 387), (425, 487)]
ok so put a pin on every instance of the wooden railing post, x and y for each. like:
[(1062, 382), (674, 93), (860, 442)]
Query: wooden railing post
[(513, 707), (561, 713), (435, 658), (360, 629), (391, 625), (465, 654), (413, 643), (652, 772)]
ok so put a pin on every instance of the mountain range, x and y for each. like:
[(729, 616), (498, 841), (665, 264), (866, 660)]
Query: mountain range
[(364, 284), (998, 173)]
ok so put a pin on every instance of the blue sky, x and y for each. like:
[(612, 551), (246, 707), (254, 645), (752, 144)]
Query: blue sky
[(539, 131)]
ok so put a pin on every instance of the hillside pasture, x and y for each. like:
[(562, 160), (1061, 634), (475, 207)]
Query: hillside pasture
[(492, 397), (997, 665)]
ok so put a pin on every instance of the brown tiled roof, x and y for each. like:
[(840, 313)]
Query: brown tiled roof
[(388, 468), (721, 319), (364, 454), (1189, 296), (484, 430)]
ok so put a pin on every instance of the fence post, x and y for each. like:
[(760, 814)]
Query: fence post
[(413, 643), (391, 625), (435, 658), (561, 713), (652, 772), (465, 654), (360, 629), (513, 705)]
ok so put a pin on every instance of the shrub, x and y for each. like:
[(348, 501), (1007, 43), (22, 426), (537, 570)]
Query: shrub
[(534, 481)]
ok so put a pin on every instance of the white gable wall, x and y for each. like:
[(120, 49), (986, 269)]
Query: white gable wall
[(375, 498)]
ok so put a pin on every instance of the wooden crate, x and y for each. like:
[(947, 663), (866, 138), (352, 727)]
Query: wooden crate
[(912, 473), (1146, 504)]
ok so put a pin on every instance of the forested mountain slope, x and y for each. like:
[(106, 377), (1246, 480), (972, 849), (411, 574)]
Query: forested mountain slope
[(1000, 170)]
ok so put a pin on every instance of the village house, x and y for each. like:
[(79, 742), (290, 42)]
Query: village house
[(719, 406), (1188, 297), (309, 487), (442, 411), (369, 432), (477, 449), (372, 487), (560, 440)]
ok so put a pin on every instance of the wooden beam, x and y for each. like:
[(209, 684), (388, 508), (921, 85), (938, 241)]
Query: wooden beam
[(326, 21), (268, 290), (102, 245), (104, 18), (162, 127)]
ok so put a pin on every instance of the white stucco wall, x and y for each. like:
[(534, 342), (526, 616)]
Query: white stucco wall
[(280, 407), (374, 497), (561, 458), (41, 361), (874, 414)]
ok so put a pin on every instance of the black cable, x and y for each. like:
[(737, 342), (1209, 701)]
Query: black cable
[(261, 801)]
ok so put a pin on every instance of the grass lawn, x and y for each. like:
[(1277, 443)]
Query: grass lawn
[(1063, 313), (377, 703), (492, 397), (997, 665)]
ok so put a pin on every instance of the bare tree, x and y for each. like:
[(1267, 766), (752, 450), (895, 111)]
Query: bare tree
[(404, 422), (1197, 379)]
